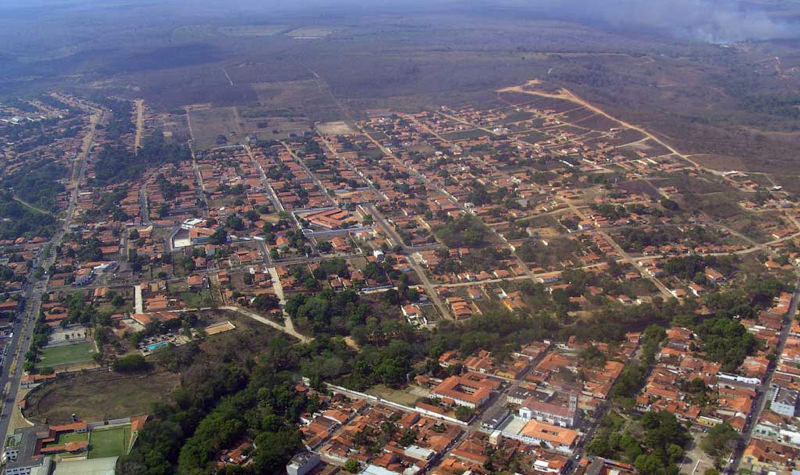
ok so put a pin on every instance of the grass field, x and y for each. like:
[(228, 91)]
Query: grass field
[(203, 298), (109, 442), (66, 355)]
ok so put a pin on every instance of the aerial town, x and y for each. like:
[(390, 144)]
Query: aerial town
[(533, 288)]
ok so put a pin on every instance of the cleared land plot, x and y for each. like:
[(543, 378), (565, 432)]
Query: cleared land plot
[(310, 32), (66, 355), (109, 442), (193, 33), (720, 162), (335, 128), (404, 397), (285, 94), (94, 396), (465, 134), (304, 97), (220, 327), (597, 122), (252, 30), (270, 128), (533, 137), (517, 116), (209, 124)]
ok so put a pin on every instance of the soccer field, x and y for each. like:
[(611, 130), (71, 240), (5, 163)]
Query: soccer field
[(109, 442), (65, 355)]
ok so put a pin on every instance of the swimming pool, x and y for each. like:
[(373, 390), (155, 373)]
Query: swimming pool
[(156, 346)]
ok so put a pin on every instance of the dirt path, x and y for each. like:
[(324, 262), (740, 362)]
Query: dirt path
[(137, 142), (565, 94), (85, 148), (31, 207), (266, 321)]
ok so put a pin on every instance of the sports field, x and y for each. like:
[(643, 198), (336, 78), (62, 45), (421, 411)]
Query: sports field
[(65, 355), (109, 442)]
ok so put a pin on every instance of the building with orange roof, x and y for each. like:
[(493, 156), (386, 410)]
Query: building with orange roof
[(547, 435), (471, 390)]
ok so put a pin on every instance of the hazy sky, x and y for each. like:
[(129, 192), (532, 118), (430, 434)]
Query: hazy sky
[(703, 20)]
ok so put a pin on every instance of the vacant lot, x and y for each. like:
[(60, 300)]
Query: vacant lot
[(66, 355), (109, 442), (336, 128), (465, 134), (276, 127), (199, 299), (401, 397), (292, 98), (94, 396), (209, 124)]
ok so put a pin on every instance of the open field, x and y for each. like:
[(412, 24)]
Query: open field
[(335, 128), (208, 124), (66, 355), (203, 298), (193, 33), (220, 327), (95, 396), (252, 30), (109, 442), (292, 98), (399, 396), (310, 32), (272, 127)]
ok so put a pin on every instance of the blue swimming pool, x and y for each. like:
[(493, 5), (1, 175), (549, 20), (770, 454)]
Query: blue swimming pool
[(158, 345)]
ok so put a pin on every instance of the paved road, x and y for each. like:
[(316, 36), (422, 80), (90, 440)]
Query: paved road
[(24, 324)]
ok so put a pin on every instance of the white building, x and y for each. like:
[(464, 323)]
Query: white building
[(302, 463), (784, 401)]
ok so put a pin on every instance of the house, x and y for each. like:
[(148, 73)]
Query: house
[(282, 242), (195, 282), (474, 294), (765, 456), (83, 276), (697, 289), (414, 314), (713, 276)]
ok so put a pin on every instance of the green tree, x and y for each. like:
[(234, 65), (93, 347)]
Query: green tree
[(720, 440), (219, 237), (130, 364), (351, 466), (463, 413)]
